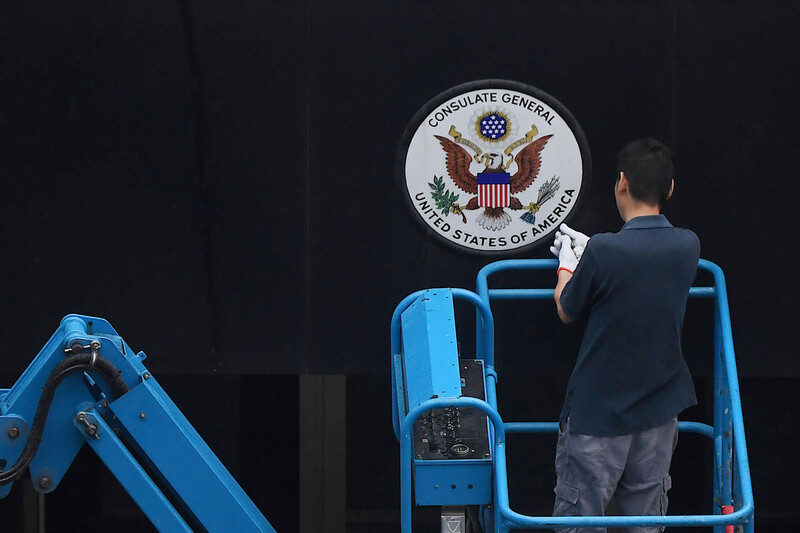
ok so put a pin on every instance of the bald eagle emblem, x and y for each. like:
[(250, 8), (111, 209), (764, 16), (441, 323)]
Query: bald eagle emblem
[(493, 188)]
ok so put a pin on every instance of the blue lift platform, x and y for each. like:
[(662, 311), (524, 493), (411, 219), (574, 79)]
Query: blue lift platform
[(86, 386), (453, 440)]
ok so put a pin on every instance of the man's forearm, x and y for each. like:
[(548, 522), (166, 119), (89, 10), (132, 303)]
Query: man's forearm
[(563, 277)]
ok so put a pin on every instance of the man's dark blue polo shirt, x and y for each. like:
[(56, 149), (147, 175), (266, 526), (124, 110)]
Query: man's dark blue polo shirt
[(632, 286)]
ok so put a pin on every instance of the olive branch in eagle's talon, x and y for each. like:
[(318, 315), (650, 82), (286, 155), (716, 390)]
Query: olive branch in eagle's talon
[(444, 199)]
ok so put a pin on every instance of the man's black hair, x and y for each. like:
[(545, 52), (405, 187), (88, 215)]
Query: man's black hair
[(649, 167)]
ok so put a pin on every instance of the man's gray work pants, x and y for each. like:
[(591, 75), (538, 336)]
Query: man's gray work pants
[(590, 470)]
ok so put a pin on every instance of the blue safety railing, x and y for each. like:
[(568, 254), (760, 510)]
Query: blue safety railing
[(733, 493)]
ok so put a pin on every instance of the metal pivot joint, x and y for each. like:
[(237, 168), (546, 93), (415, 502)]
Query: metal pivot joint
[(93, 348), (89, 428)]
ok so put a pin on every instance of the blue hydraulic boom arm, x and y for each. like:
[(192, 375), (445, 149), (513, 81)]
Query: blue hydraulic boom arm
[(86, 386)]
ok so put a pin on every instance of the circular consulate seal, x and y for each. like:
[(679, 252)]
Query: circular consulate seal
[(493, 166)]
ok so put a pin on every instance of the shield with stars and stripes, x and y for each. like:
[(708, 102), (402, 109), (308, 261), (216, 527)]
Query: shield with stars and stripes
[(494, 189)]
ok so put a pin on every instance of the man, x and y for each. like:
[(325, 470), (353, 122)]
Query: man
[(618, 425)]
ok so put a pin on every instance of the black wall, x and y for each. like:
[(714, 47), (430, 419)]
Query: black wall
[(216, 180)]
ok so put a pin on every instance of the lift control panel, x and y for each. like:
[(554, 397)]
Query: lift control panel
[(456, 432), (452, 453)]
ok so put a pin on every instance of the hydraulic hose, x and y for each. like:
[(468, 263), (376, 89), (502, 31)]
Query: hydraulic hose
[(67, 366)]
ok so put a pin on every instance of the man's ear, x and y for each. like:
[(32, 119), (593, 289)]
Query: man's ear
[(671, 190), (622, 182)]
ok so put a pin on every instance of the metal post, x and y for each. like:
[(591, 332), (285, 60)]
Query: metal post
[(723, 427)]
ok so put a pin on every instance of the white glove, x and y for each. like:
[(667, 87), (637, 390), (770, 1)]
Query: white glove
[(555, 249), (579, 240), (566, 255)]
